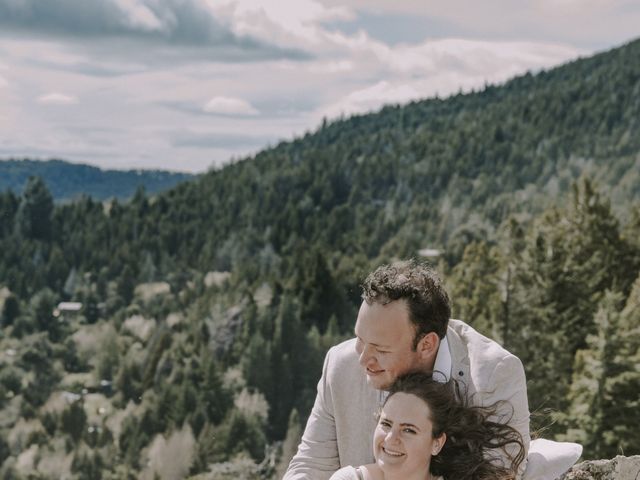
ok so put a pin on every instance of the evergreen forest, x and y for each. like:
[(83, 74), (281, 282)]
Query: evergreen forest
[(181, 334)]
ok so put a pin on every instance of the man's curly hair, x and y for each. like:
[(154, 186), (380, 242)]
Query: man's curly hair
[(419, 286)]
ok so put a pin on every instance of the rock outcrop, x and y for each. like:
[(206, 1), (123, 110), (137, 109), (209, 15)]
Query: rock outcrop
[(619, 468)]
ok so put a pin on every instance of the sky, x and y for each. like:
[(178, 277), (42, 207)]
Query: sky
[(189, 85)]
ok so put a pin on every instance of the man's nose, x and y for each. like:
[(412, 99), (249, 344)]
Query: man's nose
[(365, 355)]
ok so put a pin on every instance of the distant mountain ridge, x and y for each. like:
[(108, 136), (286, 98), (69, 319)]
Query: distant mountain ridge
[(67, 181)]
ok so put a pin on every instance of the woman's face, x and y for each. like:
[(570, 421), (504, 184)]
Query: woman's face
[(403, 441)]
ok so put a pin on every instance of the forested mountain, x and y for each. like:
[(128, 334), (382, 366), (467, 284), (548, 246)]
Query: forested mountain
[(207, 309), (67, 181)]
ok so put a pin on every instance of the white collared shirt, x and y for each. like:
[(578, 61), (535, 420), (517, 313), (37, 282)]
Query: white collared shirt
[(442, 365)]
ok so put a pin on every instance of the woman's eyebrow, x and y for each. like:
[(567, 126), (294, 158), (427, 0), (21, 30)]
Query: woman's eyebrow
[(410, 425), (404, 424)]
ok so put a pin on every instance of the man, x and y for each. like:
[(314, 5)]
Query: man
[(403, 325)]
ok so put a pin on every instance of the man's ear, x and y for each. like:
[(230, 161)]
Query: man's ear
[(428, 345)]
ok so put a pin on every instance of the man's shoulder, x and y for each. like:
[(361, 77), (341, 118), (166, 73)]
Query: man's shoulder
[(343, 359), (344, 378), (475, 343), (488, 362), (345, 349)]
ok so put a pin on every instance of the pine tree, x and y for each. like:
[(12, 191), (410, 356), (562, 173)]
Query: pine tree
[(10, 310), (623, 382), (42, 306), (33, 219), (126, 284), (214, 395), (605, 407), (90, 308), (572, 255), (8, 207), (290, 443), (242, 433), (38, 357), (73, 421), (586, 414), (475, 290)]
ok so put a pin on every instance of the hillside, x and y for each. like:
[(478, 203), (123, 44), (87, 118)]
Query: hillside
[(67, 181), (206, 309), (433, 173)]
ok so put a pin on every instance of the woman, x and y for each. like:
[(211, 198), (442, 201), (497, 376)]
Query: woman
[(425, 433)]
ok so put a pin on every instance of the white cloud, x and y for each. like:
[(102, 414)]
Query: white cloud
[(56, 98), (183, 25), (441, 67), (341, 66), (579, 7), (591, 23), (139, 16), (371, 98), (3, 82), (297, 23), (475, 57), (230, 106), (126, 95)]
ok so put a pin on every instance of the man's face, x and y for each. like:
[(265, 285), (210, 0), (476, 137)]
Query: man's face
[(384, 343)]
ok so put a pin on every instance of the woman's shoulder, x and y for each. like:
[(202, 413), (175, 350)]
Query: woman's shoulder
[(345, 473), (364, 472)]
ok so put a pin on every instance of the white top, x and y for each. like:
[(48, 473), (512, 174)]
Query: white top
[(350, 473), (346, 473)]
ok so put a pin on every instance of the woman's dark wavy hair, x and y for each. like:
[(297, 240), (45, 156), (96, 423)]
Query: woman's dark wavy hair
[(474, 443)]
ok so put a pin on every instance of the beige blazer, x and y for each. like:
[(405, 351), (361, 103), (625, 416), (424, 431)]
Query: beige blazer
[(340, 428)]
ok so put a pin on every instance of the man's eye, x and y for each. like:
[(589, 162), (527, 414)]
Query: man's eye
[(410, 430), (381, 351), (385, 423)]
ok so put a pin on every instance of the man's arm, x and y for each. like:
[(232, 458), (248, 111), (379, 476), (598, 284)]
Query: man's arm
[(317, 456), (510, 391)]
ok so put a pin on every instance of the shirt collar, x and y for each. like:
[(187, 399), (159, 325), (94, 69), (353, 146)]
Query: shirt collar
[(441, 368), (443, 363)]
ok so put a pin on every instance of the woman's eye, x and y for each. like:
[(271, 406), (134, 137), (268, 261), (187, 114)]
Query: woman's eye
[(410, 430), (385, 424)]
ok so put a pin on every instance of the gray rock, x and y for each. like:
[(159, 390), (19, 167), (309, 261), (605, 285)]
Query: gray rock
[(619, 468)]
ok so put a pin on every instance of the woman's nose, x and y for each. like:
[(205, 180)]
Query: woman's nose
[(392, 436)]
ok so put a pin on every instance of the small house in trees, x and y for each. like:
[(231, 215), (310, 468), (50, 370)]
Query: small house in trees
[(66, 310), (430, 252)]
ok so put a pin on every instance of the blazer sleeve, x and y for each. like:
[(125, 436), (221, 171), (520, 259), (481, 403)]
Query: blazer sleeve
[(317, 457), (510, 396)]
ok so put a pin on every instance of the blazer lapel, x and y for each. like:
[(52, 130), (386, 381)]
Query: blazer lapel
[(460, 370)]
